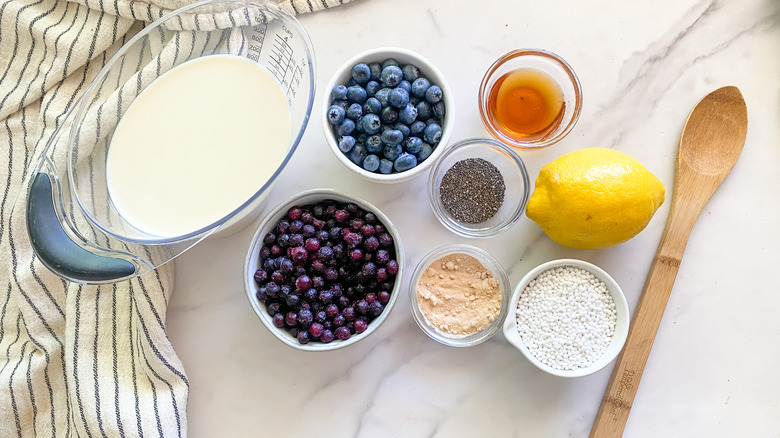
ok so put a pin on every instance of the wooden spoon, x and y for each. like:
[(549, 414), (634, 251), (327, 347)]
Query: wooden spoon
[(711, 141)]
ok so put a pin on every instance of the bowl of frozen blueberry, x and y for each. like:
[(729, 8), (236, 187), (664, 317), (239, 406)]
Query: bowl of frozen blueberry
[(323, 270), (387, 114)]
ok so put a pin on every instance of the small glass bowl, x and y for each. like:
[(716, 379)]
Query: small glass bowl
[(621, 327), (549, 64), (459, 340), (516, 184)]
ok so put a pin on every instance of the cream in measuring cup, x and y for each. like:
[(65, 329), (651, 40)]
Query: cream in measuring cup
[(196, 144)]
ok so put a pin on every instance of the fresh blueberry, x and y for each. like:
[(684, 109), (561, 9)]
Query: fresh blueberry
[(411, 72), (374, 144), (339, 92), (404, 128), (371, 163), (432, 133), (376, 71), (439, 109), (424, 110), (381, 95), (343, 103), (355, 111), (371, 124), (433, 120), (392, 137), (405, 85), (361, 73), (392, 152), (372, 106), (385, 166), (388, 62), (398, 97), (420, 86), (417, 128), (433, 94), (391, 76), (356, 93), (372, 87), (336, 114), (346, 143), (405, 162), (407, 114), (425, 152), (358, 154), (414, 145), (388, 115), (345, 127)]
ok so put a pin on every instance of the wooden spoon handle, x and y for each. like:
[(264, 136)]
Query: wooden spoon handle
[(619, 396)]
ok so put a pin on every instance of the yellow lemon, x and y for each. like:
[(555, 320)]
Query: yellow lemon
[(594, 198)]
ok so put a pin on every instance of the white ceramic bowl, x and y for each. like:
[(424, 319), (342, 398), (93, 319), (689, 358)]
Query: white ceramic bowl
[(403, 56), (488, 262), (253, 262), (621, 327)]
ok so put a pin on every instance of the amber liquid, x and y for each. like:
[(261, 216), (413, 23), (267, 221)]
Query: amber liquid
[(526, 104)]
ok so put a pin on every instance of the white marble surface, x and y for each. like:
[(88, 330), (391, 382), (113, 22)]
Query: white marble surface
[(643, 66)]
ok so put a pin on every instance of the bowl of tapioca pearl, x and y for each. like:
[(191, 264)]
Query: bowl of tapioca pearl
[(568, 317)]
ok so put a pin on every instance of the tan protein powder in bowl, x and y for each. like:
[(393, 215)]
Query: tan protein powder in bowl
[(458, 295)]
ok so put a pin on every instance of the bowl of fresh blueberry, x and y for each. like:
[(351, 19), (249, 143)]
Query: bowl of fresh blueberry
[(387, 114), (323, 270)]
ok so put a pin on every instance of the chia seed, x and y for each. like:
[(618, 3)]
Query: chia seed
[(472, 190)]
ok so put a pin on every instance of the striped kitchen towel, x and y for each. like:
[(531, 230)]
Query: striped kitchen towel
[(76, 360)]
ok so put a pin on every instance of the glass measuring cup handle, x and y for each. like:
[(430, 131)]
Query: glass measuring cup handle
[(57, 250)]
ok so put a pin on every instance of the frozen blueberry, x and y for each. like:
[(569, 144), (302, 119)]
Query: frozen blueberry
[(398, 97), (392, 137), (417, 128), (346, 143), (358, 154), (374, 144), (413, 145), (391, 75), (345, 127), (361, 73), (392, 152), (371, 124), (339, 92), (411, 72), (424, 110), (432, 133), (371, 163), (433, 94), (336, 114), (439, 109), (407, 114), (420, 86), (376, 71), (405, 162), (372, 106), (355, 111), (385, 166), (356, 93)]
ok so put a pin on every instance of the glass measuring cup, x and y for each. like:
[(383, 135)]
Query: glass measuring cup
[(73, 224)]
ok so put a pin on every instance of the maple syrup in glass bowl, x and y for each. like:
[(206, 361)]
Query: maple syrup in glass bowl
[(530, 98)]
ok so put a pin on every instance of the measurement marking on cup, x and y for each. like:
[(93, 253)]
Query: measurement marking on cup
[(284, 66)]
